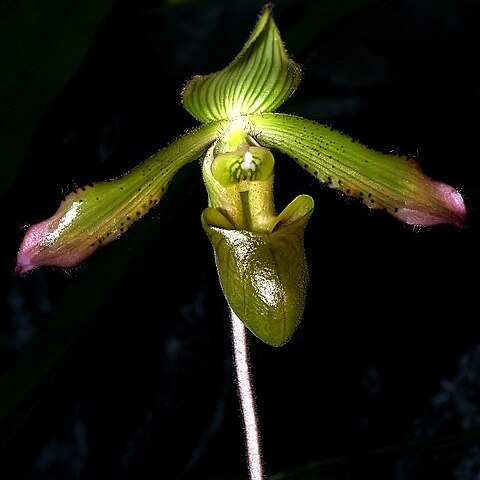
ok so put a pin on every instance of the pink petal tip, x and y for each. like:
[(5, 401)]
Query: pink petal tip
[(449, 208)]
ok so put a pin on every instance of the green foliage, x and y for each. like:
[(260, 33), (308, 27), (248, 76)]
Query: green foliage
[(42, 45)]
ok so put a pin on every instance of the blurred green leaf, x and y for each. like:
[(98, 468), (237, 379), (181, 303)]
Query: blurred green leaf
[(320, 18), (42, 44), (341, 466)]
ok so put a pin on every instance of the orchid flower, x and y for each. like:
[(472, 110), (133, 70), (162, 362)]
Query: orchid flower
[(259, 254)]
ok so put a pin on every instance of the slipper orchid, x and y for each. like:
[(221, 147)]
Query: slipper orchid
[(259, 254)]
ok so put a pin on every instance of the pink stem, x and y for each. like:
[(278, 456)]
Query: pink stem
[(245, 392)]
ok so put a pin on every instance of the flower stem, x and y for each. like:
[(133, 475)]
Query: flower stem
[(245, 392)]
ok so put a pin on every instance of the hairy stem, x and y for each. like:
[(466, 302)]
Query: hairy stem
[(247, 402)]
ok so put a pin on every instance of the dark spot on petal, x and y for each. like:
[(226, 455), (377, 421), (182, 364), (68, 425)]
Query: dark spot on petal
[(395, 210)]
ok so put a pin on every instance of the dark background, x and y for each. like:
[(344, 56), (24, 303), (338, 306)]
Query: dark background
[(121, 367)]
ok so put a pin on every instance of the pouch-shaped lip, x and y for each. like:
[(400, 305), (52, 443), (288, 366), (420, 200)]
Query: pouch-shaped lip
[(264, 276)]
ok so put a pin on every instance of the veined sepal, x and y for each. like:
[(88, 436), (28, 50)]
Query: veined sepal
[(259, 79), (264, 276)]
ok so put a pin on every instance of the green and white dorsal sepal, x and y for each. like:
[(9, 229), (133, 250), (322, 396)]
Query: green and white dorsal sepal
[(259, 79)]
